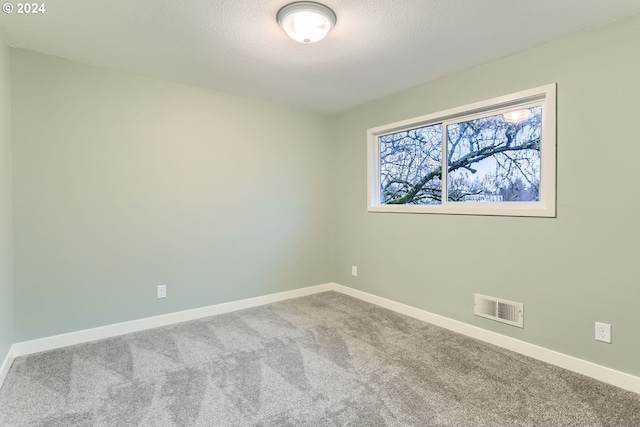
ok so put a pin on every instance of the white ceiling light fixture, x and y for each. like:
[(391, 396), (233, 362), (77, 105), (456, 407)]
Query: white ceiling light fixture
[(516, 116), (306, 21)]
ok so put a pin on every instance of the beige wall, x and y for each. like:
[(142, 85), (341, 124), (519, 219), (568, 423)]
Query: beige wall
[(6, 278), (568, 271), (122, 183)]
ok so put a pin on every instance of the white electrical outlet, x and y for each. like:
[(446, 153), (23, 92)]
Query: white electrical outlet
[(162, 291), (354, 270), (603, 332)]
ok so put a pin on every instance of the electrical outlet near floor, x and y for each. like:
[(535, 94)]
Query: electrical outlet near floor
[(603, 332), (162, 291), (354, 270)]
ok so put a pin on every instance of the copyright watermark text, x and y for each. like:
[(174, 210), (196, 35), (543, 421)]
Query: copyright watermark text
[(24, 8)]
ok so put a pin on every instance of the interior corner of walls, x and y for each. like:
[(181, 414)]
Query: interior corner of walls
[(7, 330), (3, 37), (5, 365)]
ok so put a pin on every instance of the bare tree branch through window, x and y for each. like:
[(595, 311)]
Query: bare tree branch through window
[(489, 159)]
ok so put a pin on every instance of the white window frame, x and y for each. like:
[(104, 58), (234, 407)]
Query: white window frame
[(546, 207)]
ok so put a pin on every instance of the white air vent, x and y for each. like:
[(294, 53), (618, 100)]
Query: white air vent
[(509, 312)]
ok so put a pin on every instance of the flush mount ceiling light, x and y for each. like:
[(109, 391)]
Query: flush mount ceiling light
[(306, 21), (516, 116)]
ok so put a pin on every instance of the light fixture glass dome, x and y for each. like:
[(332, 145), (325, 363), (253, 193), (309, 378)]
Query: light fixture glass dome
[(306, 21)]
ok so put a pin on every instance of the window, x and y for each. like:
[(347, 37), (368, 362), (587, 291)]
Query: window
[(499, 154)]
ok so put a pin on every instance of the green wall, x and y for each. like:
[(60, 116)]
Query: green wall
[(569, 271), (122, 183), (6, 279)]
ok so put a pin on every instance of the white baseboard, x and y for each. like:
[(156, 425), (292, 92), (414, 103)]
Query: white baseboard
[(79, 337), (580, 366), (598, 372), (6, 365)]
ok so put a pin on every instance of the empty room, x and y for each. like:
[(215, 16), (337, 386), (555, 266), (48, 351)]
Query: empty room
[(335, 213)]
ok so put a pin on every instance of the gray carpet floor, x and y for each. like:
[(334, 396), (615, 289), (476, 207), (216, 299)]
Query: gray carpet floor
[(322, 360)]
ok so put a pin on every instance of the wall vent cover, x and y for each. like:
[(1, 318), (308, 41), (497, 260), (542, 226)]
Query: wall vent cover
[(509, 312)]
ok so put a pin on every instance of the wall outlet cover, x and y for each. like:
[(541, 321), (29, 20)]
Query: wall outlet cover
[(603, 332), (162, 291)]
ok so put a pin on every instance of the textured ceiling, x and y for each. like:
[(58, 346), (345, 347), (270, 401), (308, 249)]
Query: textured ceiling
[(378, 47)]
